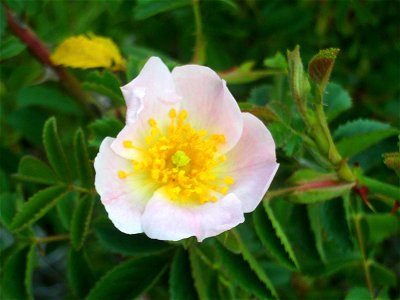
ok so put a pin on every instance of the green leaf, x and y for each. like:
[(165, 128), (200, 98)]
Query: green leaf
[(266, 233), (381, 226), (65, 208), (55, 151), (205, 279), (320, 67), (105, 83), (82, 162), (357, 293), (10, 47), (81, 220), (118, 242), (37, 206), (3, 21), (260, 94), (80, 276), (148, 8), (356, 136), (252, 261), (8, 208), (180, 281), (102, 128), (379, 187), (240, 272), (331, 232), (278, 61), (31, 263), (229, 241), (36, 171), (280, 233), (337, 100), (48, 97), (129, 279), (381, 275), (14, 274)]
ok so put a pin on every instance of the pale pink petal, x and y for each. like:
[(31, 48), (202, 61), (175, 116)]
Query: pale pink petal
[(150, 92), (123, 199), (209, 103), (251, 163), (165, 220)]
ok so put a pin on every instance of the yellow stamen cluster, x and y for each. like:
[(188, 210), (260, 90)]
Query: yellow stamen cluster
[(183, 160)]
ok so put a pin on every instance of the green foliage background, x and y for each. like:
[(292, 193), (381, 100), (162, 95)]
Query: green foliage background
[(322, 243)]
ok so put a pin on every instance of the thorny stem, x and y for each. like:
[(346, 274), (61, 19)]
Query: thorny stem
[(360, 239), (199, 56), (48, 239), (40, 51)]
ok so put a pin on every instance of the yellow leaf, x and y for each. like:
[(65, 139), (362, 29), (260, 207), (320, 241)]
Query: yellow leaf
[(87, 52)]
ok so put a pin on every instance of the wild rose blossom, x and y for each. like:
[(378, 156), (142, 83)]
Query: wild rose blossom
[(188, 162)]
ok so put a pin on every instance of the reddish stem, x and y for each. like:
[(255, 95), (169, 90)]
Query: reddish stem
[(40, 51)]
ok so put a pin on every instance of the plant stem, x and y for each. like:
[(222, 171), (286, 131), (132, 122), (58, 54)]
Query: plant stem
[(49, 239), (199, 56), (40, 51), (360, 239)]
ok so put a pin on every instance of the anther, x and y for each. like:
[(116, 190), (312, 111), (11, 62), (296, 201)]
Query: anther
[(152, 122), (229, 180), (172, 113), (128, 144), (122, 174)]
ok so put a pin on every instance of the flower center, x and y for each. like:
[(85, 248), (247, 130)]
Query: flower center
[(182, 160)]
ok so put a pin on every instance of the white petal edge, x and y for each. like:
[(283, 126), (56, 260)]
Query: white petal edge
[(252, 163), (209, 103), (165, 220), (150, 91), (123, 199)]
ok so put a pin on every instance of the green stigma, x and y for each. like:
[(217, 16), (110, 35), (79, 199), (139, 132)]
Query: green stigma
[(180, 159)]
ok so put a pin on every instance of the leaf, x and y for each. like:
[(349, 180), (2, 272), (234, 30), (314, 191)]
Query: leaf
[(87, 52), (147, 8), (357, 293), (105, 83), (80, 276), (266, 234), (65, 208), (31, 263), (80, 220), (381, 275), (10, 47), (337, 100), (331, 232), (118, 242), (180, 281), (320, 67), (392, 160), (245, 73), (8, 208), (381, 226), (278, 61), (37, 206), (102, 128), (260, 94), (129, 279), (55, 151), (48, 97), (284, 239), (240, 272), (252, 261), (82, 162), (14, 274), (34, 170), (356, 136), (3, 21), (205, 279)]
